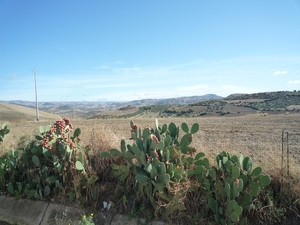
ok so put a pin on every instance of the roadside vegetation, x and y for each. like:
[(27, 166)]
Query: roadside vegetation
[(152, 171)]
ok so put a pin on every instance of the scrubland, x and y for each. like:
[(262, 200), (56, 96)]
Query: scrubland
[(256, 136)]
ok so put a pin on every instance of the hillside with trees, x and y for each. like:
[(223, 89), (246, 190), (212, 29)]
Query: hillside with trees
[(267, 101)]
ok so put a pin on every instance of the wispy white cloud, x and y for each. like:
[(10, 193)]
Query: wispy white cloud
[(129, 82), (280, 73), (102, 67), (293, 82), (231, 89), (108, 65), (13, 76), (123, 81), (213, 88), (127, 70), (10, 77), (192, 88), (98, 86)]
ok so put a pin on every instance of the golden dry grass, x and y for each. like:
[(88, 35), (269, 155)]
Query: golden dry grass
[(15, 113), (258, 137)]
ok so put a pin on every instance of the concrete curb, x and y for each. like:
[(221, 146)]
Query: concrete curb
[(16, 211)]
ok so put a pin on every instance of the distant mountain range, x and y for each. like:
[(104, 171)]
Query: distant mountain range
[(173, 101), (116, 104), (193, 106), (88, 108)]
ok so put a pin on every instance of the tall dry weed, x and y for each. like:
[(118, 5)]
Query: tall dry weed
[(100, 138)]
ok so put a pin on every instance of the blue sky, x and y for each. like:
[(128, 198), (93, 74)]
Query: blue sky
[(133, 49)]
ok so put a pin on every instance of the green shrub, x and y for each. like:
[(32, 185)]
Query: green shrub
[(3, 131), (54, 163), (232, 186), (159, 165), (159, 160), (165, 168)]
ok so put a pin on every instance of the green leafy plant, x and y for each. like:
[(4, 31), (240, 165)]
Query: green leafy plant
[(86, 220), (232, 186), (9, 171), (159, 160), (159, 165), (3, 131), (53, 163)]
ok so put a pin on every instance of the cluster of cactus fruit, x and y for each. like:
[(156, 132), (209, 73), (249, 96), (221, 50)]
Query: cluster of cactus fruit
[(53, 163), (232, 187)]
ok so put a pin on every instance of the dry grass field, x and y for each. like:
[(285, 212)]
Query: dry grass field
[(15, 113), (256, 136)]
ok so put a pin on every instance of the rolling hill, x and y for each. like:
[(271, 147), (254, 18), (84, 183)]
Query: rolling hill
[(84, 109), (194, 106), (16, 113), (233, 105)]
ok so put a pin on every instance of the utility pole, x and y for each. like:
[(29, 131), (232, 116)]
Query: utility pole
[(36, 98)]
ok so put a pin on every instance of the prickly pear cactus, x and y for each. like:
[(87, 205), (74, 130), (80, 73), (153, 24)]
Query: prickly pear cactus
[(3, 131), (160, 161), (53, 163), (232, 187)]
